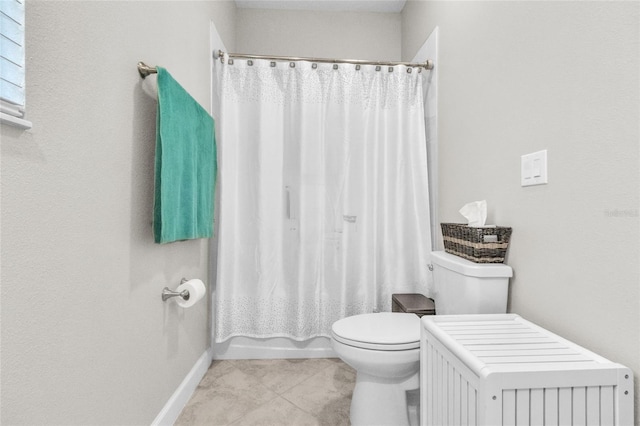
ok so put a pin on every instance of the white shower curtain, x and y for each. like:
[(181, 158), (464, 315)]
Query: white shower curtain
[(323, 195)]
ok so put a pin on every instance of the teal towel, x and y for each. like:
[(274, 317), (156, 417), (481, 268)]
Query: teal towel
[(185, 165)]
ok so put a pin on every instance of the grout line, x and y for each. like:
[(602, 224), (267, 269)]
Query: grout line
[(339, 366), (234, 366), (252, 410)]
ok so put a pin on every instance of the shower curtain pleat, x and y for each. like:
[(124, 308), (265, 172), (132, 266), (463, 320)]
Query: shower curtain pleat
[(323, 196)]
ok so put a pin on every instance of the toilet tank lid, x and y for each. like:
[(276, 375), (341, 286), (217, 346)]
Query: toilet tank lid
[(468, 268)]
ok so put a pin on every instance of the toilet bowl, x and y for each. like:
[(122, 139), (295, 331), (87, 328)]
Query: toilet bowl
[(384, 349)]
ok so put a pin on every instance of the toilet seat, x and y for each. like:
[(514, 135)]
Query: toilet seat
[(384, 331)]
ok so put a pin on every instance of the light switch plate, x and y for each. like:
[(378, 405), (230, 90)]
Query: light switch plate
[(533, 168)]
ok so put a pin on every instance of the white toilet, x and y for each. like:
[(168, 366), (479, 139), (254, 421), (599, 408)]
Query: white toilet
[(384, 348)]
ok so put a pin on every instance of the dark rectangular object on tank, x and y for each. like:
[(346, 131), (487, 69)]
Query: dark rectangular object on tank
[(413, 303)]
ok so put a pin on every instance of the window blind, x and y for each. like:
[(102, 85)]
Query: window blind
[(12, 70)]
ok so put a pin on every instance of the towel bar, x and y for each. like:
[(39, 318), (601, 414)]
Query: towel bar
[(145, 69)]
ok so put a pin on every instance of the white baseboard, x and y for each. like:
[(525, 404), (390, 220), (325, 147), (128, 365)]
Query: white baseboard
[(172, 409)]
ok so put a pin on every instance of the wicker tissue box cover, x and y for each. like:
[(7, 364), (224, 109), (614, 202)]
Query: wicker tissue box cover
[(479, 245)]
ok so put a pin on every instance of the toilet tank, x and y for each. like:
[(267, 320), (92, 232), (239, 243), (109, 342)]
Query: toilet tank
[(464, 287)]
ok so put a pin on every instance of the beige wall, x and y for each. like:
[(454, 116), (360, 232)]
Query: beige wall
[(86, 338), (353, 35), (518, 77)]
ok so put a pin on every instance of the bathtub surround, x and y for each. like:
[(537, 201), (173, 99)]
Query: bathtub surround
[(354, 35), (519, 77), (429, 50)]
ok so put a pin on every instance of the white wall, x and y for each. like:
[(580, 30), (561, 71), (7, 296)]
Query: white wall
[(518, 77), (86, 338), (353, 35)]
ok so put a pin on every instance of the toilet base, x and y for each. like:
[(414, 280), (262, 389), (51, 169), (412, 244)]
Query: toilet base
[(378, 401), (387, 367)]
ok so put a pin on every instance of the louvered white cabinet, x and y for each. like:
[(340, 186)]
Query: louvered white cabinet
[(491, 370)]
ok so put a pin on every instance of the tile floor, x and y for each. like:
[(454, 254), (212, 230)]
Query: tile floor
[(281, 392)]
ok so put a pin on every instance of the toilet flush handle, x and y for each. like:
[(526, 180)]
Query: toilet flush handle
[(430, 267)]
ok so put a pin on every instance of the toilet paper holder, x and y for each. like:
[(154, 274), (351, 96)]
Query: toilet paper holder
[(167, 293)]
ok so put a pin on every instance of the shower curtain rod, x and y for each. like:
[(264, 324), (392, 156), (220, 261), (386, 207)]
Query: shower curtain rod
[(146, 70), (219, 54)]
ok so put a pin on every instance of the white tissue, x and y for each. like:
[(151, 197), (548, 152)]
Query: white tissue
[(196, 290), (150, 85), (475, 212)]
